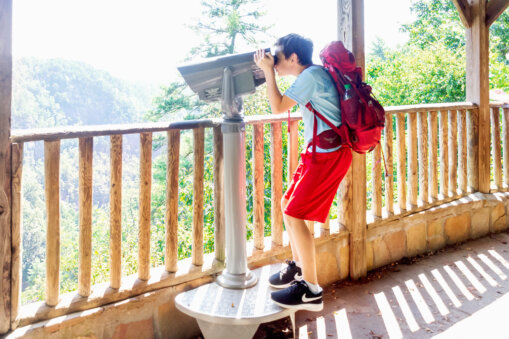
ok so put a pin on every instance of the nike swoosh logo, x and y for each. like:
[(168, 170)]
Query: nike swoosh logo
[(306, 299), (297, 276)]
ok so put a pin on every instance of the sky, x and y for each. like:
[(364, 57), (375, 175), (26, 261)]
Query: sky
[(146, 41)]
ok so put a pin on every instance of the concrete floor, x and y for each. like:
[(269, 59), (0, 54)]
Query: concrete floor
[(459, 292)]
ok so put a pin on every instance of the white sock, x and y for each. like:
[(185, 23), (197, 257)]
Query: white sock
[(314, 288)]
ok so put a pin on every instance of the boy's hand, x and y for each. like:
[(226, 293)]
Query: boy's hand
[(264, 60)]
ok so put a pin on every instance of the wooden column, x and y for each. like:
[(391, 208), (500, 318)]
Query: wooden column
[(433, 163), (345, 201), (477, 50), (505, 132), (258, 187), (413, 179), (444, 155), (5, 162), (115, 211), (376, 203), (453, 153), (293, 148), (17, 231), (422, 136), (472, 150), (198, 172), (276, 154), (85, 212), (389, 175), (351, 31), (400, 139), (462, 152), (145, 202), (172, 200), (496, 148), (52, 194), (219, 217)]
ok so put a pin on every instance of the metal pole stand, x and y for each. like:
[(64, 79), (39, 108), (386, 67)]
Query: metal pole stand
[(236, 275)]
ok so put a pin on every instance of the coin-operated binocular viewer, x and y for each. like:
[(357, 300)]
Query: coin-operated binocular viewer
[(227, 79)]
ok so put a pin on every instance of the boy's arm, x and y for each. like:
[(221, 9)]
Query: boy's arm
[(278, 103)]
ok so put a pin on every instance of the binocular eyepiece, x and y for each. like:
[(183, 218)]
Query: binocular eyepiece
[(276, 59)]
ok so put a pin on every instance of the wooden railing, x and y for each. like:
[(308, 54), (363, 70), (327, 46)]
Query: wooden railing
[(429, 160), (434, 162), (499, 147)]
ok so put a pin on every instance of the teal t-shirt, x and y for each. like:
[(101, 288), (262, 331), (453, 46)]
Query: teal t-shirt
[(315, 85)]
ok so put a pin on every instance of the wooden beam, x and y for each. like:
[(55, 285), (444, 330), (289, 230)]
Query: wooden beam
[(477, 50), (464, 11), (351, 32), (494, 10), (5, 162)]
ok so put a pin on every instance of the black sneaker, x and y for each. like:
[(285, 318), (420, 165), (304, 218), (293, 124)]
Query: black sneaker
[(286, 276), (298, 296)]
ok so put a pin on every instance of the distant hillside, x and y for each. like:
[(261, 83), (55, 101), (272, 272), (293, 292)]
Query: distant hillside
[(57, 92)]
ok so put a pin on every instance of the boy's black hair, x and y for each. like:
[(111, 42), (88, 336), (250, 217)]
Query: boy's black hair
[(294, 43)]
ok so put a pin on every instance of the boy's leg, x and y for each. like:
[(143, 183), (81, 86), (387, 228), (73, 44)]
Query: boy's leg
[(304, 244), (295, 254)]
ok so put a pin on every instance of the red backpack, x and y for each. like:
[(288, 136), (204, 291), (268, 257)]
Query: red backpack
[(362, 116)]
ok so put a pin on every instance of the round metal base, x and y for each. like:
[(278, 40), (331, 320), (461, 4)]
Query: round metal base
[(237, 281)]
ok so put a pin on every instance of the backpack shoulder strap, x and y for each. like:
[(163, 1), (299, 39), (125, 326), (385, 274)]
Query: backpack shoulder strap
[(324, 119)]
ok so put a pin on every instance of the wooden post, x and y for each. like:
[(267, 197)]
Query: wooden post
[(145, 202), (472, 150), (477, 50), (413, 180), (293, 148), (389, 175), (453, 153), (444, 157), (115, 211), (5, 162), (506, 145), (276, 154), (52, 193), (172, 200), (400, 139), (376, 204), (496, 150), (259, 187), (462, 160), (219, 217), (198, 171), (433, 165), (351, 31), (345, 201), (17, 231), (85, 212), (422, 136)]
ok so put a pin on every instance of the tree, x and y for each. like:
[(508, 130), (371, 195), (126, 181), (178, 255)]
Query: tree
[(439, 21), (431, 66), (224, 25), (225, 21)]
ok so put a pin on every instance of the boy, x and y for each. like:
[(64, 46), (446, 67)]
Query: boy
[(319, 173)]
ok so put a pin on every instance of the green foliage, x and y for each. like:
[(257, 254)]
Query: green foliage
[(430, 68), (223, 26), (57, 92), (414, 76), (222, 23), (437, 22)]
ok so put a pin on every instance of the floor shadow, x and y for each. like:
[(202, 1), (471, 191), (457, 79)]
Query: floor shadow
[(444, 295)]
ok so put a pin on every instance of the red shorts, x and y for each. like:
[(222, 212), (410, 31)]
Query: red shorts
[(315, 184)]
